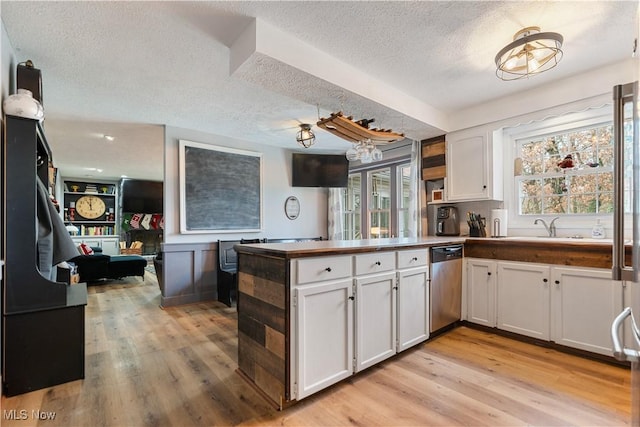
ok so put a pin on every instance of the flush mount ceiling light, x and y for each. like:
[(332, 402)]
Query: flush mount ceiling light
[(531, 52), (305, 136)]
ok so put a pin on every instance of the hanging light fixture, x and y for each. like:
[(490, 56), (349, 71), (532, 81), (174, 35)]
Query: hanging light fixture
[(305, 136), (531, 52), (365, 151)]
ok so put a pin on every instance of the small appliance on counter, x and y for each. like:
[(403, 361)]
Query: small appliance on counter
[(447, 222), (499, 219)]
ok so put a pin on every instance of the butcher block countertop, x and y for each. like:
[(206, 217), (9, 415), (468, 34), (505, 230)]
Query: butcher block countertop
[(340, 247), (552, 250)]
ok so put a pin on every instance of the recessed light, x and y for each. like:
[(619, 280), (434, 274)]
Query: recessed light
[(108, 137)]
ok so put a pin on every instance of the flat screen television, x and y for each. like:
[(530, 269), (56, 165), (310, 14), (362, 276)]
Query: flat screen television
[(319, 170), (140, 196)]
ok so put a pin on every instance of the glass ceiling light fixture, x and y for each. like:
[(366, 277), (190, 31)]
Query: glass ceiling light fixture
[(305, 136), (365, 151), (531, 52)]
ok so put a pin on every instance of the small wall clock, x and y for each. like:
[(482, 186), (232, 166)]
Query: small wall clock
[(292, 207), (90, 207)]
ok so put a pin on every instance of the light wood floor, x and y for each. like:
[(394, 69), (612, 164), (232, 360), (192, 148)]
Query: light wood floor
[(146, 366)]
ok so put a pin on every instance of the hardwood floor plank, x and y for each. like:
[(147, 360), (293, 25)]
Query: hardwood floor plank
[(149, 366)]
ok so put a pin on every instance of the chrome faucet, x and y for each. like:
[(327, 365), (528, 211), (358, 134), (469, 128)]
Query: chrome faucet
[(551, 228)]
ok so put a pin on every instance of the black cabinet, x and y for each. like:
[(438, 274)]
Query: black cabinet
[(42, 320)]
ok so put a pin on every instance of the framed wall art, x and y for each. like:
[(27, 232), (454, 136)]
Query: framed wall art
[(220, 189)]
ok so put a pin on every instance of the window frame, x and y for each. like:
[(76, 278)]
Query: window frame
[(592, 117), (394, 165)]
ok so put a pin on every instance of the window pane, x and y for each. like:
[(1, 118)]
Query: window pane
[(379, 224), (583, 187), (380, 189), (555, 204), (404, 177)]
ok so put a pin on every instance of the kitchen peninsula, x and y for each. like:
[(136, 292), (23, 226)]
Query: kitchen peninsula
[(311, 314)]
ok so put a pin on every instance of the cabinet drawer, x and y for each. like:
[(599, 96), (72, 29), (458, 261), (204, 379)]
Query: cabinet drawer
[(375, 262), (323, 268), (413, 258)]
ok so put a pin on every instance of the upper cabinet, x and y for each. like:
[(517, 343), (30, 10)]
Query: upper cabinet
[(474, 166)]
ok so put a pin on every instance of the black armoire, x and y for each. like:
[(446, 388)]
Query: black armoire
[(42, 320)]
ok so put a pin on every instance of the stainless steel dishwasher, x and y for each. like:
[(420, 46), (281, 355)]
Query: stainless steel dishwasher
[(445, 293)]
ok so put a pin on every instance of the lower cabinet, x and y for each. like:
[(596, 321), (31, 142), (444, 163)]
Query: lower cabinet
[(523, 299), (584, 303), (375, 319), (324, 335), (481, 292), (413, 307), (343, 325), (571, 306)]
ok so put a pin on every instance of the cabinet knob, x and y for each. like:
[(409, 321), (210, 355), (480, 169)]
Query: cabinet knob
[(378, 263), (395, 287), (545, 280), (557, 282), (415, 258), (488, 273), (351, 297), (484, 187), (328, 269)]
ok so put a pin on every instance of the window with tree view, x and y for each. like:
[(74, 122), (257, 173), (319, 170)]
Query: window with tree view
[(566, 173)]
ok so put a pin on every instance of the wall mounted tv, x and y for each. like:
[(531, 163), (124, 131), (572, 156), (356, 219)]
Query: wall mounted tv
[(319, 170), (140, 196)]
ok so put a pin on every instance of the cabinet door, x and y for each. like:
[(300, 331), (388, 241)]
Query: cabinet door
[(523, 299), (110, 246), (375, 319), (413, 307), (324, 335), (467, 163), (481, 292), (584, 304)]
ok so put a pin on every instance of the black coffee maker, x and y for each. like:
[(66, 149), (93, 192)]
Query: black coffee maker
[(447, 221)]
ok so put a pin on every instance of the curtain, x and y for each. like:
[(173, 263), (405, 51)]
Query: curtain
[(414, 179), (334, 215)]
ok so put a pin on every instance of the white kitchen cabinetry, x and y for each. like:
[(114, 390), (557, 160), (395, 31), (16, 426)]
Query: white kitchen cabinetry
[(523, 299), (413, 307), (412, 297), (375, 319), (323, 322), (474, 167), (584, 303), (481, 291), (351, 312), (375, 311), (324, 335), (109, 245)]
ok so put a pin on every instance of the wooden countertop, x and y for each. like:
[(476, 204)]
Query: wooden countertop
[(560, 251), (343, 247)]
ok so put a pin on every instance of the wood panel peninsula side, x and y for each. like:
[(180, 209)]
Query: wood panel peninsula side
[(297, 328)]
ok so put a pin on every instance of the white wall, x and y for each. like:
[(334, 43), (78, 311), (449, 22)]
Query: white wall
[(276, 187)]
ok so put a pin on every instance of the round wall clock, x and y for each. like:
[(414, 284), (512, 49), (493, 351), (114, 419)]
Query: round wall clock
[(292, 207), (90, 207)]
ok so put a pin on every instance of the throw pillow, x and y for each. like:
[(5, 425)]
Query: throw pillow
[(85, 249)]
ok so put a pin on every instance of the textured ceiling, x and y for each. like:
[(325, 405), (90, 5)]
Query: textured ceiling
[(122, 68)]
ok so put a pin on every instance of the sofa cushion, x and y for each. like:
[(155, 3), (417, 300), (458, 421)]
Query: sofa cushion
[(85, 249)]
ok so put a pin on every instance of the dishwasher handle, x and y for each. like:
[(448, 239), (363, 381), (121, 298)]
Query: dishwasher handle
[(446, 253)]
